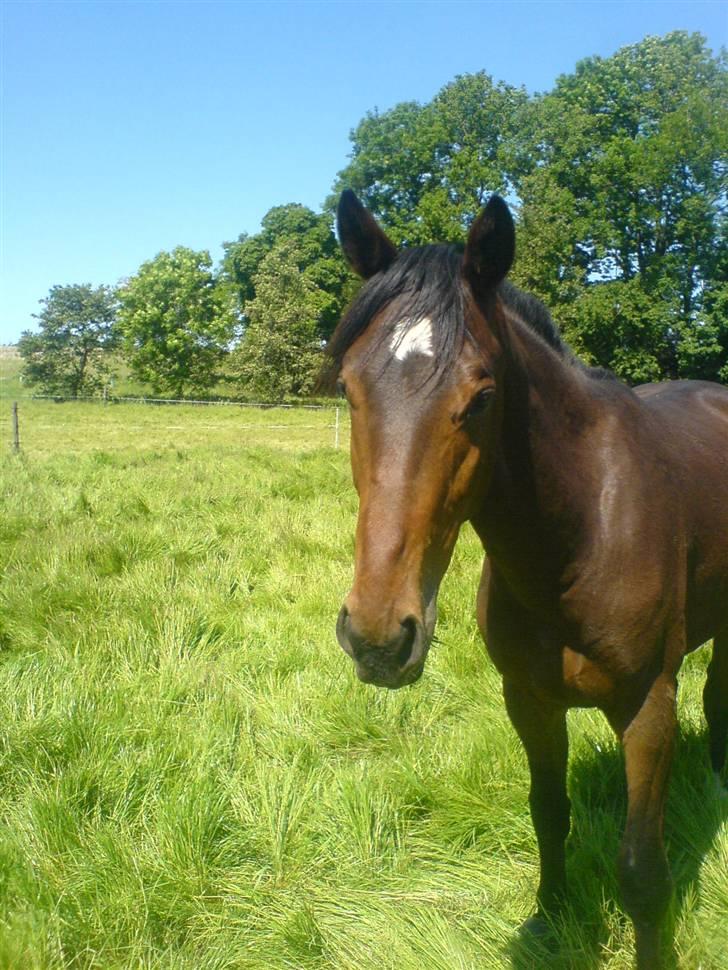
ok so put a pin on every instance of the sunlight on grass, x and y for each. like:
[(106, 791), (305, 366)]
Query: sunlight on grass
[(192, 777)]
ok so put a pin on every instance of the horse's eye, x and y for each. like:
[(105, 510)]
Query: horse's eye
[(480, 402)]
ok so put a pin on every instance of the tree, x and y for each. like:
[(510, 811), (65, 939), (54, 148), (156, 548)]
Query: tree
[(707, 343), (425, 170), (280, 353), (626, 187), (69, 356), (618, 179), (177, 321), (314, 249)]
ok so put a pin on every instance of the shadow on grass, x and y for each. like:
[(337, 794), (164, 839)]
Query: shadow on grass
[(694, 814)]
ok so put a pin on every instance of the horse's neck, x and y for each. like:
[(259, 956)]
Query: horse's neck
[(548, 404), (540, 491)]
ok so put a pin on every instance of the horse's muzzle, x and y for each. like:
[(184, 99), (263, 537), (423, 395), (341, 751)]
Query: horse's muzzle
[(393, 664)]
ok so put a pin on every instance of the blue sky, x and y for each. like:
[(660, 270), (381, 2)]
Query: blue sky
[(132, 127)]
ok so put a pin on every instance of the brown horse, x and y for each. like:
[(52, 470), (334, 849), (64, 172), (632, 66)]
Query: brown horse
[(603, 510)]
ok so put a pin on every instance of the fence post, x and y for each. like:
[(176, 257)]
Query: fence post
[(16, 428), (336, 430)]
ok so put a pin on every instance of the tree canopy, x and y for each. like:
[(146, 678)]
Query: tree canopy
[(622, 205), (313, 248), (618, 178), (177, 322), (425, 170), (68, 356), (280, 354)]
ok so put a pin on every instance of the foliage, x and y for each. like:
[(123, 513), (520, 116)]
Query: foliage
[(626, 186), (68, 356), (425, 170), (280, 353), (312, 245), (178, 321), (618, 175), (714, 345), (193, 778), (619, 323)]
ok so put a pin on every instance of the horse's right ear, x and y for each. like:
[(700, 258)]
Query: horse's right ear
[(491, 246), (366, 247)]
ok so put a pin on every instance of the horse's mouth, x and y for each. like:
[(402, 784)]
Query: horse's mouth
[(391, 679)]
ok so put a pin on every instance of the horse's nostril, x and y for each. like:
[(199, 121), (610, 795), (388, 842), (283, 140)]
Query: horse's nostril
[(409, 636), (398, 655), (343, 631)]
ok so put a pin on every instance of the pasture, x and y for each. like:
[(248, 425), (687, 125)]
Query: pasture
[(191, 776)]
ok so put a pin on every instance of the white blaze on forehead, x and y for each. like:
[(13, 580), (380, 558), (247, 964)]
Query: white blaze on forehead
[(412, 337)]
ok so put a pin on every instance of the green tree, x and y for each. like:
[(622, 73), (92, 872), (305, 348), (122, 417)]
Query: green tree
[(314, 249), (69, 356), (177, 321), (280, 354), (626, 185), (707, 343), (425, 170)]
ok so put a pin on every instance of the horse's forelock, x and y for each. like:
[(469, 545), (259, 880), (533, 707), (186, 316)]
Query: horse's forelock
[(423, 282), (427, 282)]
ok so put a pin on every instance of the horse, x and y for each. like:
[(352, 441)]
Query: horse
[(602, 509)]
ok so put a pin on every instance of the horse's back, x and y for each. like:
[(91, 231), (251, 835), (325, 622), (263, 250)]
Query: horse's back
[(692, 419), (700, 394)]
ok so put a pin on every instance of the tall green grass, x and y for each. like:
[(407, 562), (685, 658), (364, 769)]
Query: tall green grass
[(192, 777)]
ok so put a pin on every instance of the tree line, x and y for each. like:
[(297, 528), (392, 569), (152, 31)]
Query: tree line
[(617, 177)]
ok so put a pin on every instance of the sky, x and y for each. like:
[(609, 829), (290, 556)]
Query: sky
[(127, 128)]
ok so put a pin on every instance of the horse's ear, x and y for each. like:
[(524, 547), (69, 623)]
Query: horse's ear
[(491, 246), (366, 247)]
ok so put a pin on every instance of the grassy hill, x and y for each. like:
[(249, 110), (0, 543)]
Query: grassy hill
[(10, 366)]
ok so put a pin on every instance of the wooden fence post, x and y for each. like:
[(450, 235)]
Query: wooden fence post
[(16, 429)]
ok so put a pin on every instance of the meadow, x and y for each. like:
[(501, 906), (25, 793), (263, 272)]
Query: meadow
[(192, 777)]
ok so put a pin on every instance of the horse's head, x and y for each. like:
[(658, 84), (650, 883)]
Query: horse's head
[(420, 360)]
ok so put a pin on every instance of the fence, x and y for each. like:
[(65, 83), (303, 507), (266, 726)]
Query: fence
[(103, 426)]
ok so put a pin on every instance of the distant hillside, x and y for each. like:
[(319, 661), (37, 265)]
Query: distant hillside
[(10, 365)]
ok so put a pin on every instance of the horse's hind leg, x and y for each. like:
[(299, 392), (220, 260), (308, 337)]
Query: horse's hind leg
[(715, 702)]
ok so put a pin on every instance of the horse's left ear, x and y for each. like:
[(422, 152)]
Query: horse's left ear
[(366, 247), (491, 246)]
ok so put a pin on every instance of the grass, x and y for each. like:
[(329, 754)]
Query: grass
[(190, 774)]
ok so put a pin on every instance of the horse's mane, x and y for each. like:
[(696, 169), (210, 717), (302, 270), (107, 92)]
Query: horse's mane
[(427, 281)]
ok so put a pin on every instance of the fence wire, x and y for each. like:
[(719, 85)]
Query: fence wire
[(43, 429)]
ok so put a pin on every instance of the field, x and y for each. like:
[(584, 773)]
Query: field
[(190, 774)]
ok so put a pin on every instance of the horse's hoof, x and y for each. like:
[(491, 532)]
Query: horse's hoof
[(536, 927)]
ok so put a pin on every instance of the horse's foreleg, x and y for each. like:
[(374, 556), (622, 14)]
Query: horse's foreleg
[(644, 875), (543, 733)]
